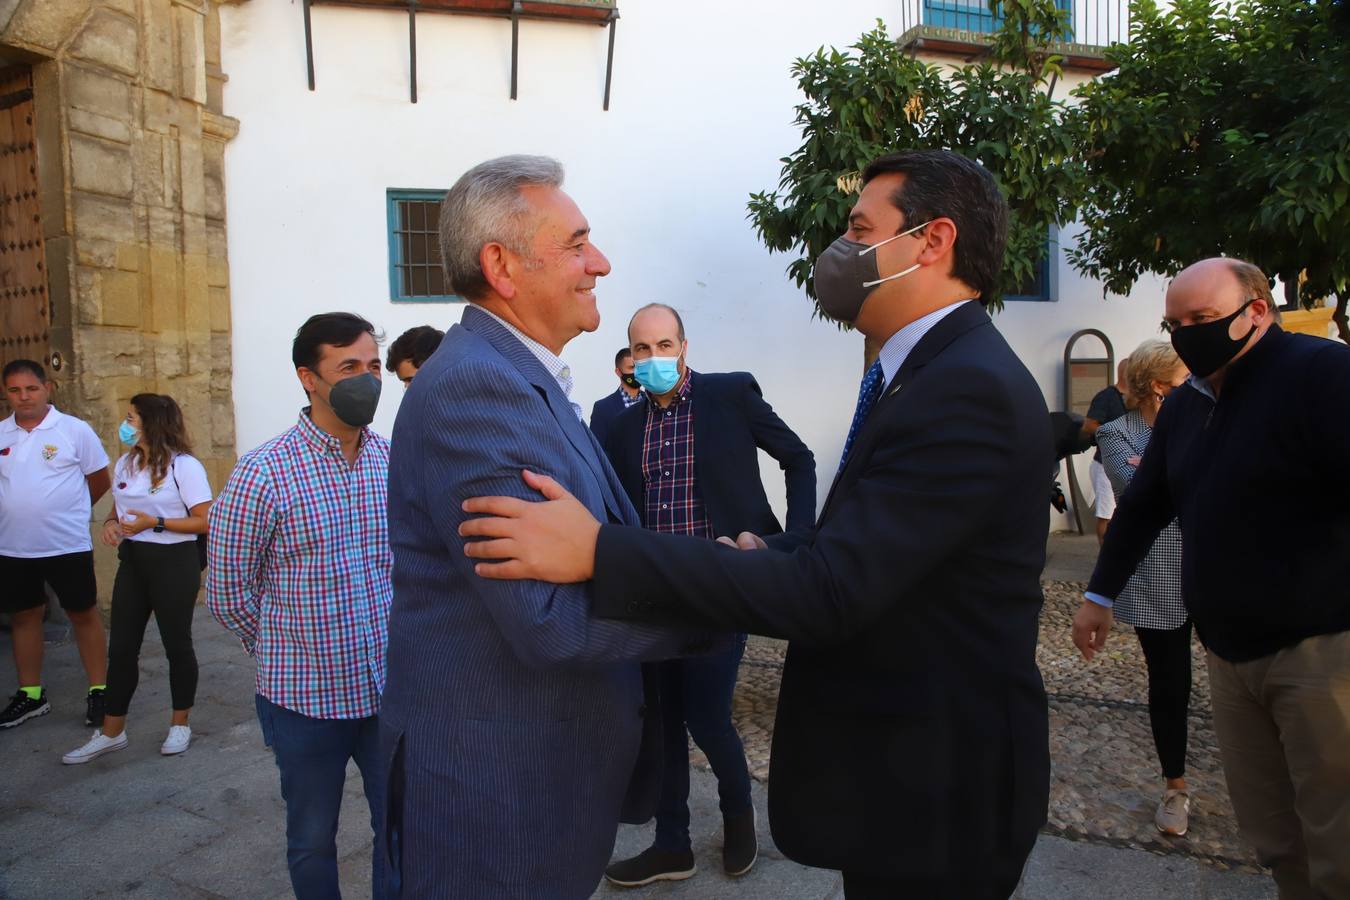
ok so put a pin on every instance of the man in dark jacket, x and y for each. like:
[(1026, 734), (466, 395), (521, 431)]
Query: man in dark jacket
[(911, 746), (629, 394), (1254, 443), (687, 456)]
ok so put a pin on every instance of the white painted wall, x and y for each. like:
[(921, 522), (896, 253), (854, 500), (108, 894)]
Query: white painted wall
[(701, 113)]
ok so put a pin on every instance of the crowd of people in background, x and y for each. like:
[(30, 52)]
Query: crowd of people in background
[(513, 621)]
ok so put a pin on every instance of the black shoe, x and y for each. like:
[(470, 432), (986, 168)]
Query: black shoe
[(652, 864), (93, 708), (21, 708), (740, 846)]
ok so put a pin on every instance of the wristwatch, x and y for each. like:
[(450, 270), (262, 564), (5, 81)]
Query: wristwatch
[(159, 524)]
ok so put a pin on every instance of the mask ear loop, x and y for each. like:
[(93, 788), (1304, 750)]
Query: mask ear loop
[(868, 284), (866, 250)]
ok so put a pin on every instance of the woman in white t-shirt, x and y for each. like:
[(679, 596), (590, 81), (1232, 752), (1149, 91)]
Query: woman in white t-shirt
[(160, 498)]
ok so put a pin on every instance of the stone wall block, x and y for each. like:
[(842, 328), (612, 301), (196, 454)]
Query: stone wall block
[(222, 423), (97, 253), (103, 218), (191, 26), (222, 364), (199, 355), (170, 356), (217, 272), (191, 176), (120, 298), (194, 234), (110, 352), (86, 305), (109, 39), (94, 91), (44, 23), (101, 167), (196, 294), (161, 68), (148, 160), (96, 125), (162, 227), (128, 257), (173, 186), (159, 111), (166, 290), (125, 6), (220, 309), (215, 239)]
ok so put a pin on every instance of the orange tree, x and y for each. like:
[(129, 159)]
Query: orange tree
[(1225, 130), (873, 98)]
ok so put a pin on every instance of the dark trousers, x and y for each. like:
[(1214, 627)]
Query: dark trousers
[(153, 578), (312, 757), (697, 692), (1167, 653)]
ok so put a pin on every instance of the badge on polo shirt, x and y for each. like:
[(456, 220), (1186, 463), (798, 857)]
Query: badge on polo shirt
[(4, 452), (49, 452)]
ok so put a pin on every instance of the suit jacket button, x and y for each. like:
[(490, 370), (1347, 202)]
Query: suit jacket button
[(633, 606)]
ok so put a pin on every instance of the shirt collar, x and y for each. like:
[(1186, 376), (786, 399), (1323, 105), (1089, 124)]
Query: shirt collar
[(321, 440), (898, 347), (552, 363), (49, 421)]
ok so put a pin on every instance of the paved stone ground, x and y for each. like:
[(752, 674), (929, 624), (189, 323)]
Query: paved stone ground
[(210, 823)]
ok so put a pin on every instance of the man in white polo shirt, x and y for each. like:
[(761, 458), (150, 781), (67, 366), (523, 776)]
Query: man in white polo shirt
[(52, 470)]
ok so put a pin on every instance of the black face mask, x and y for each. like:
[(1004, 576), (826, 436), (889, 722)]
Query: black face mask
[(1206, 348), (354, 399), (630, 380)]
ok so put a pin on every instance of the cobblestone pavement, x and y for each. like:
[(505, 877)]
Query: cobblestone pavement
[(1105, 782)]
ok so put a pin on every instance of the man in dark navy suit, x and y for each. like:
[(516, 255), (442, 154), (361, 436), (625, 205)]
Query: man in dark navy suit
[(629, 394), (687, 456), (910, 748)]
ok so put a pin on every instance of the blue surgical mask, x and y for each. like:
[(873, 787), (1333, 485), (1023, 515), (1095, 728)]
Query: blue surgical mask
[(658, 374), (127, 433)]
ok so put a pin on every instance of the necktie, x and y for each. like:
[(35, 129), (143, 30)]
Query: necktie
[(872, 383)]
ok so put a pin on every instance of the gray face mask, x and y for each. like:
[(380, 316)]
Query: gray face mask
[(846, 273), (354, 399)]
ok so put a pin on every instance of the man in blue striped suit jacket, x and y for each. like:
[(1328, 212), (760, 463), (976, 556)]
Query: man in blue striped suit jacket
[(512, 719)]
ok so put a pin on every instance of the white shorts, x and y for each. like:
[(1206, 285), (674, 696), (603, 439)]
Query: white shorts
[(1104, 499)]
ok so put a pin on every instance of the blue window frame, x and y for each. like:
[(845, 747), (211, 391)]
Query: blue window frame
[(415, 274), (974, 15), (1041, 286)]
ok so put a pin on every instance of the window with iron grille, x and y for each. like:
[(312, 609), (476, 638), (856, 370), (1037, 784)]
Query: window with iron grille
[(415, 273)]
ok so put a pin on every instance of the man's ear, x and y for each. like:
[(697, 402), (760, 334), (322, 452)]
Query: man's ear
[(939, 241), (499, 269), (1261, 308), (307, 379)]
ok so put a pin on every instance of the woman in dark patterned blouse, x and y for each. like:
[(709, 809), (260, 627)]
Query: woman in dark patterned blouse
[(1151, 601)]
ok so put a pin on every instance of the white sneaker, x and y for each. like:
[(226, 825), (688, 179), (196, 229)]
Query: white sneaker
[(98, 745), (177, 741), (1173, 816)]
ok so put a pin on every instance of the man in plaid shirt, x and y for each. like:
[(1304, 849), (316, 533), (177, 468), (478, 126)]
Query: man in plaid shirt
[(300, 571)]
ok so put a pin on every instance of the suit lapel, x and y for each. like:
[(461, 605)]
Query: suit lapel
[(578, 435), (958, 322)]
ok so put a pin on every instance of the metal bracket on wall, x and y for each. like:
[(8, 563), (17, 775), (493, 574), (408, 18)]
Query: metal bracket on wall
[(596, 12)]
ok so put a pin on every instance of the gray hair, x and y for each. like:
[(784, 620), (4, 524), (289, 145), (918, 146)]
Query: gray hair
[(484, 207)]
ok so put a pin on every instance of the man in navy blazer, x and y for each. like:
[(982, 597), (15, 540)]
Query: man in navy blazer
[(609, 407), (911, 744), (512, 718), (688, 456)]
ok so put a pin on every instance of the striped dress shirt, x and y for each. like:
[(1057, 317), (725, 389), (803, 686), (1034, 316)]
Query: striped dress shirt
[(300, 569), (552, 362), (673, 503)]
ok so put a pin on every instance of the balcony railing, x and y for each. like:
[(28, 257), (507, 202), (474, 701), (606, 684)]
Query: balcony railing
[(963, 27)]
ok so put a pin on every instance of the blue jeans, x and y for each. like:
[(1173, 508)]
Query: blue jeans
[(312, 756), (697, 692)]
